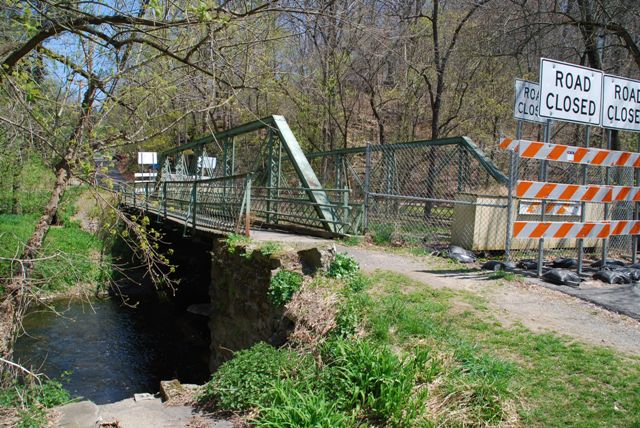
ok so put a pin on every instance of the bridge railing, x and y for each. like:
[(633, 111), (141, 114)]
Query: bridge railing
[(233, 204)]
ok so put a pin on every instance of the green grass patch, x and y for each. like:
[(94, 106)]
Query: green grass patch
[(32, 399), (69, 254)]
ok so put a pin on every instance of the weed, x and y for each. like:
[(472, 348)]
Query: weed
[(282, 286), (342, 266), (32, 399), (351, 241), (506, 275), (294, 408), (248, 380), (270, 248), (381, 233), (368, 378), (235, 240), (357, 282)]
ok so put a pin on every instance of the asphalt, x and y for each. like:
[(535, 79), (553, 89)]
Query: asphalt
[(620, 298)]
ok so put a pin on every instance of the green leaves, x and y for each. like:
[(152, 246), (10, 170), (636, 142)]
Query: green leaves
[(342, 266), (282, 286)]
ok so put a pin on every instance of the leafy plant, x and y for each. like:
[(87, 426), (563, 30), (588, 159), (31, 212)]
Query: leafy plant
[(381, 233), (369, 377), (32, 399), (295, 408), (235, 240), (270, 248), (357, 282), (282, 286), (342, 266), (248, 380)]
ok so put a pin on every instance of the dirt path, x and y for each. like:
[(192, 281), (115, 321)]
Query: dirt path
[(536, 307)]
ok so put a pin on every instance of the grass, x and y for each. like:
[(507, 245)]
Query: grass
[(551, 380), (71, 255), (29, 402)]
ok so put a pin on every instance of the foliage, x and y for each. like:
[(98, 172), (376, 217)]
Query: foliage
[(381, 233), (234, 241), (282, 286), (368, 378), (34, 188), (294, 408), (342, 266), (270, 248), (248, 379), (32, 399)]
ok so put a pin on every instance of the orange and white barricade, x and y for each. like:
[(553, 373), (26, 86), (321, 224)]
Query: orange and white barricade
[(559, 229), (562, 153), (563, 192)]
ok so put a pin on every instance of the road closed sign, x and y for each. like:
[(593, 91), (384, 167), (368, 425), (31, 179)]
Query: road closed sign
[(620, 103), (569, 92), (527, 102)]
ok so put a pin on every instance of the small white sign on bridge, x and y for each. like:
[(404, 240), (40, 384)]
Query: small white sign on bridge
[(621, 103), (527, 102), (570, 92), (147, 158)]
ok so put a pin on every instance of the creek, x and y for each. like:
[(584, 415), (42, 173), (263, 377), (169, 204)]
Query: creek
[(109, 351)]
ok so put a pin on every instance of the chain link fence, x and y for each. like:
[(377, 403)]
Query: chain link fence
[(430, 194)]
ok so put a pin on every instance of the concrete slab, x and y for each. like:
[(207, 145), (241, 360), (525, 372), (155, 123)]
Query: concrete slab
[(83, 414), (129, 413)]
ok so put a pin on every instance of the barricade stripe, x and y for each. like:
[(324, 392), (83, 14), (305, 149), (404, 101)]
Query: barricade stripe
[(563, 230), (625, 227), (565, 192), (568, 192), (559, 230)]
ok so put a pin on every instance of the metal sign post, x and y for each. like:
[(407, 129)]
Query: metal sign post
[(634, 238), (583, 205), (543, 177)]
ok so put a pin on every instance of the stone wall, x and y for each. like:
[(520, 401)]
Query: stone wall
[(241, 313)]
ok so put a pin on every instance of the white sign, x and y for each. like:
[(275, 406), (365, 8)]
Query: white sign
[(209, 162), (527, 103), (147, 158), (570, 92), (620, 103)]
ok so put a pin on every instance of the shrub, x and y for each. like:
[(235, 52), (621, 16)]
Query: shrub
[(365, 376), (32, 398), (381, 233), (247, 381), (342, 266), (282, 286)]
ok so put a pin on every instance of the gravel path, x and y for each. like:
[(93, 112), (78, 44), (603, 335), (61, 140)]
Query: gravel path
[(536, 307)]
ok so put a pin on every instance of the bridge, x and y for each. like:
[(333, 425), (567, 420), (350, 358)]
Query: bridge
[(256, 176)]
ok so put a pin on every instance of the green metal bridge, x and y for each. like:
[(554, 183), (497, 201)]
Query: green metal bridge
[(256, 176)]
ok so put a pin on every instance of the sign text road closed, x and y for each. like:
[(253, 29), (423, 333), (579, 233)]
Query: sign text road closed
[(570, 92), (527, 102), (621, 103)]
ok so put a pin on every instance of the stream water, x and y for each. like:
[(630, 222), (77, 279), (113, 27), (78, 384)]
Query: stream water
[(111, 351)]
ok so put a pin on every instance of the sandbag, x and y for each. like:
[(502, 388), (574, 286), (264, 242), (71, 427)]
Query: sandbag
[(610, 262), (629, 272), (565, 263), (562, 277), (613, 276), (461, 255), (495, 265), (528, 264)]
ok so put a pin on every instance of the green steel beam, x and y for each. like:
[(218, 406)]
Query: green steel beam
[(306, 174), (465, 142), (242, 129)]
